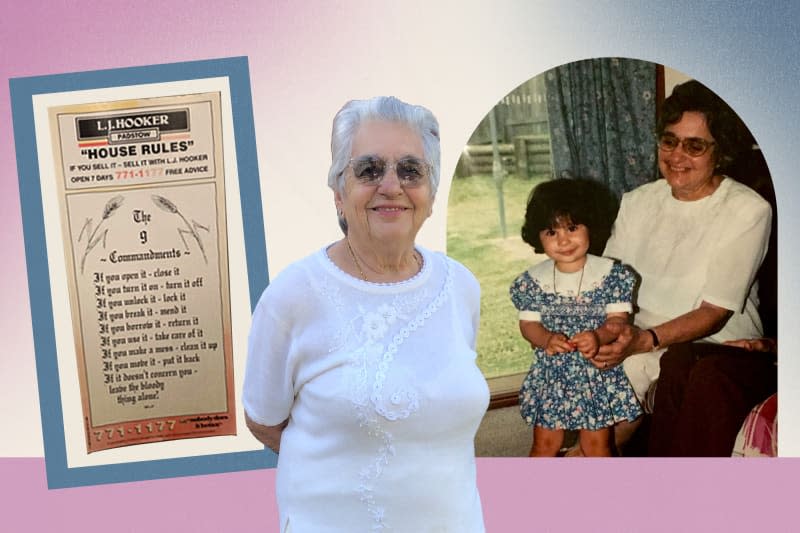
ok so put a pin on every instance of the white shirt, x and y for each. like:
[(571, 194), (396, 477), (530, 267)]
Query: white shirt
[(689, 252), (382, 393)]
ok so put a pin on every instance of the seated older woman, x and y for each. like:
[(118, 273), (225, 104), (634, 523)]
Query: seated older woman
[(361, 368), (697, 238)]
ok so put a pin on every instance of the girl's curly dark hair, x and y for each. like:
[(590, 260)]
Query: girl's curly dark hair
[(576, 201)]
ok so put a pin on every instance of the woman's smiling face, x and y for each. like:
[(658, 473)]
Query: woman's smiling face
[(385, 212), (690, 178)]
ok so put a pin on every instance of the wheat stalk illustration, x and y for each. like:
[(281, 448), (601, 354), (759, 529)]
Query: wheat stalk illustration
[(110, 208), (191, 229)]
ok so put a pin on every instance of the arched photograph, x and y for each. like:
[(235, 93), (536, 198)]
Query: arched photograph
[(621, 220)]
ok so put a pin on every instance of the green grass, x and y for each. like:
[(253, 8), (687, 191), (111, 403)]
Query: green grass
[(474, 237)]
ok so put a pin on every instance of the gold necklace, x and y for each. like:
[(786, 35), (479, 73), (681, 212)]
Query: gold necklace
[(580, 282), (356, 262)]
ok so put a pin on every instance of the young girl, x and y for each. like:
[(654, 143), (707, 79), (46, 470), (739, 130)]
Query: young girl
[(564, 303)]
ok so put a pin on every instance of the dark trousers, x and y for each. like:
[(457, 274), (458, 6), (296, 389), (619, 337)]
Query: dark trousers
[(703, 395)]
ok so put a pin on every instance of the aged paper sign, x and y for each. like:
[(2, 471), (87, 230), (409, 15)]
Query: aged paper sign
[(142, 204)]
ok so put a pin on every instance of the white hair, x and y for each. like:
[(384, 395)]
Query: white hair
[(387, 108)]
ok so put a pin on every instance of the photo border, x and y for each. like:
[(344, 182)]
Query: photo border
[(236, 70)]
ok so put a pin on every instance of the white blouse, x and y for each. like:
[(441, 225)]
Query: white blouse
[(382, 393), (688, 252)]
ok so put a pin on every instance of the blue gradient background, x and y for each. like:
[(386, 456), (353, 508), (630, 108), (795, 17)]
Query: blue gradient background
[(458, 58)]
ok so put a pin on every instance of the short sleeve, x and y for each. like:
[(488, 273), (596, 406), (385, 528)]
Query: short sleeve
[(523, 295), (621, 282), (738, 256), (268, 391), (468, 290), (476, 311)]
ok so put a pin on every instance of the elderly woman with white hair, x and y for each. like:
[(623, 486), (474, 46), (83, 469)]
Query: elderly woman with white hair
[(361, 368)]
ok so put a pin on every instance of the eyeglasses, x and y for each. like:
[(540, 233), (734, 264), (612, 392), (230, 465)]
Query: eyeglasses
[(370, 170), (693, 146)]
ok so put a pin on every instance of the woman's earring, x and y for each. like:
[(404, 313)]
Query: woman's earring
[(341, 219)]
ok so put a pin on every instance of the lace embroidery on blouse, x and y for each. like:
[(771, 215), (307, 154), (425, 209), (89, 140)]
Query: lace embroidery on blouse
[(332, 293), (369, 402)]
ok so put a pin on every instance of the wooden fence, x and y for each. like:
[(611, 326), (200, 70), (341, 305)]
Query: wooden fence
[(523, 135), (527, 156)]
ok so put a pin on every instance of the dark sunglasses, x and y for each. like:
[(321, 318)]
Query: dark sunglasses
[(370, 170)]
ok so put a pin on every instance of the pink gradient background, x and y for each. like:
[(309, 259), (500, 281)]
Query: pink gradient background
[(305, 60)]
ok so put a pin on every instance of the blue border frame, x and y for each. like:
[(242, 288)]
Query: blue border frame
[(22, 92)]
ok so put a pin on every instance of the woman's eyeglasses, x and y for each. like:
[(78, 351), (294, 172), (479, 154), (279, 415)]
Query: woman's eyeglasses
[(370, 170), (693, 146)]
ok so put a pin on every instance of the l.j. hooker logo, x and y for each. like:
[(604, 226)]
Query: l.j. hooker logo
[(138, 127)]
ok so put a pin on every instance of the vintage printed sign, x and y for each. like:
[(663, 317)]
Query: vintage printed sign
[(142, 201)]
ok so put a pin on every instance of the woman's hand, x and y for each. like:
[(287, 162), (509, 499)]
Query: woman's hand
[(755, 345), (628, 339), (270, 436), (586, 342), (698, 323), (558, 343)]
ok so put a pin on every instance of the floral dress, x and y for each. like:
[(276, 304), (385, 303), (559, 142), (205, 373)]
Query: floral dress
[(565, 391)]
